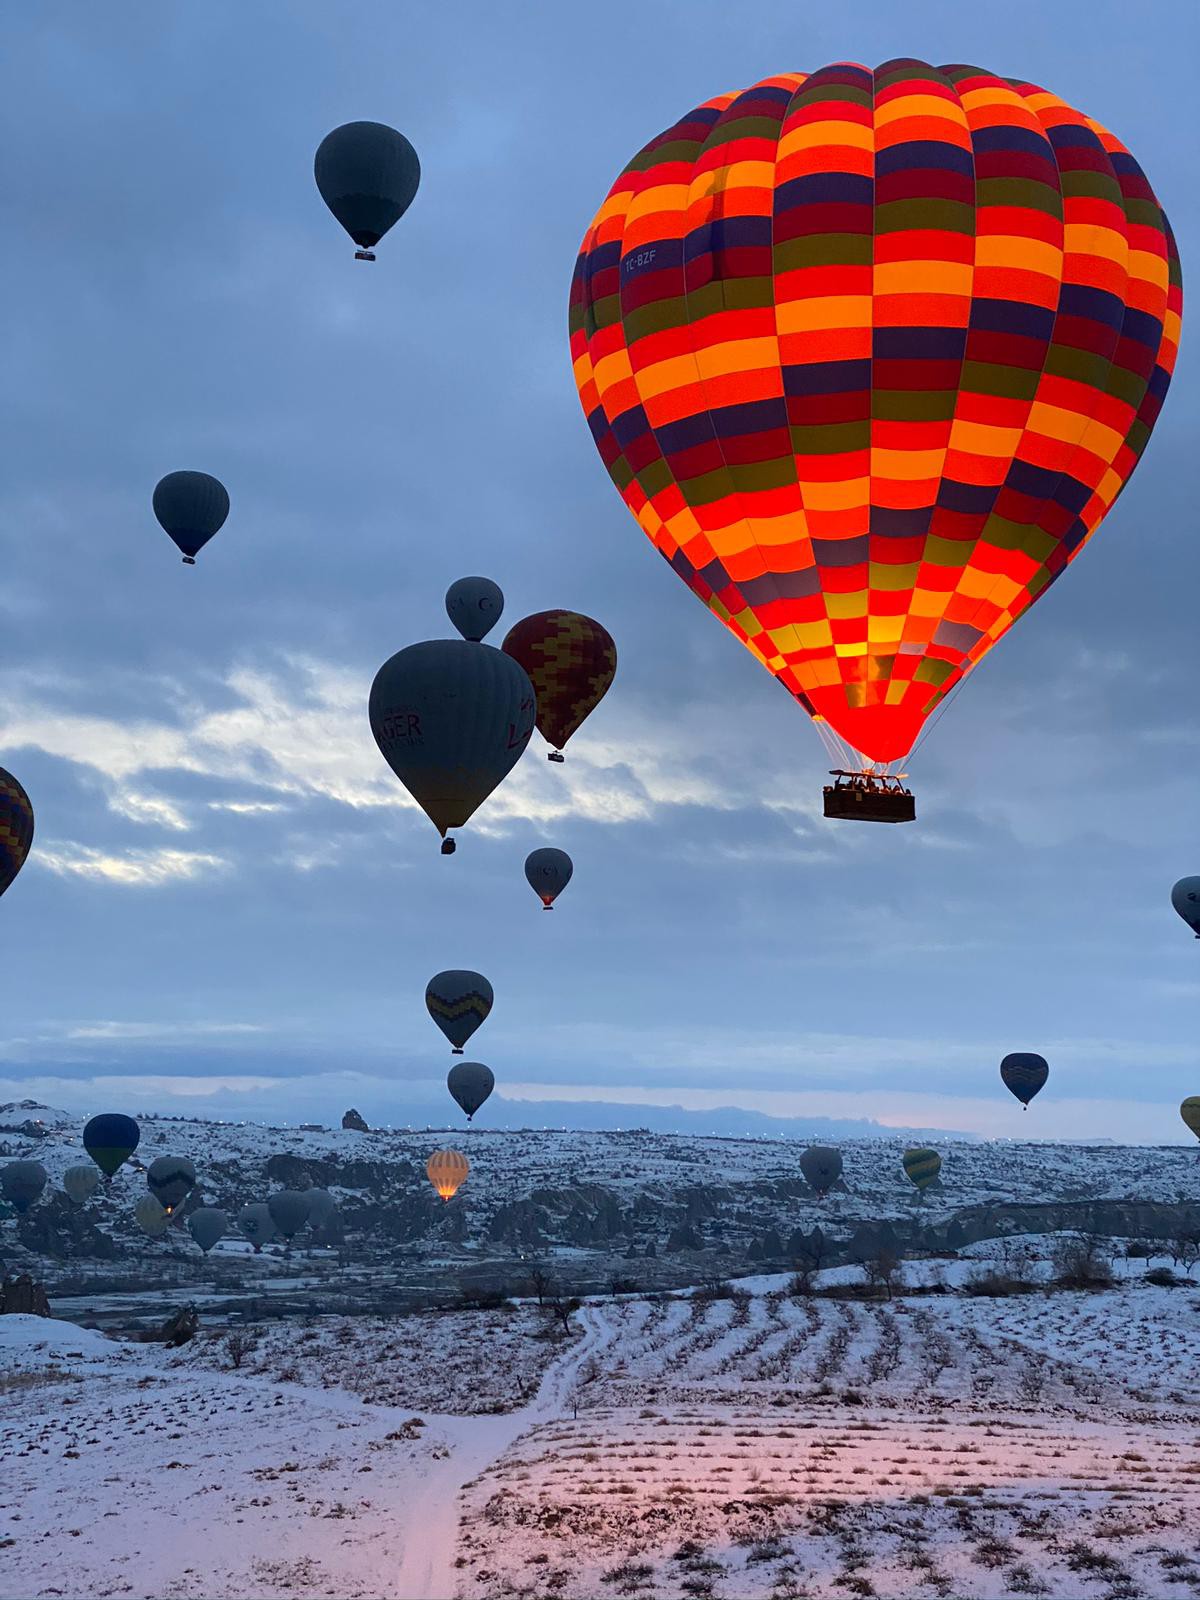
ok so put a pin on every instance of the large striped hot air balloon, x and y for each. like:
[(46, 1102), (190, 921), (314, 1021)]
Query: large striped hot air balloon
[(447, 1171), (869, 354)]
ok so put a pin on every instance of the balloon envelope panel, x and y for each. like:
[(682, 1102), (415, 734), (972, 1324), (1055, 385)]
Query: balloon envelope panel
[(869, 354)]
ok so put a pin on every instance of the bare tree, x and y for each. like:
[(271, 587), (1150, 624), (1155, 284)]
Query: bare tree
[(540, 1283), (1187, 1251), (561, 1308), (882, 1270)]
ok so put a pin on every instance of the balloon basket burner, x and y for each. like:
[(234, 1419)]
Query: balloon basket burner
[(869, 797)]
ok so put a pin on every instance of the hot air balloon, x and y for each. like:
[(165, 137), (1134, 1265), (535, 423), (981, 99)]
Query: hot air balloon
[(21, 1183), (367, 174), (257, 1224), (80, 1184), (321, 1207), (470, 1083), (821, 1166), (1024, 1074), (474, 606), (548, 872), (1185, 897), (207, 1226), (458, 1001), (452, 719), (1190, 1112), (150, 1217), (571, 661), (447, 1171), (922, 1167), (170, 1179), (191, 506), (110, 1139), (289, 1212), (869, 354), (16, 828)]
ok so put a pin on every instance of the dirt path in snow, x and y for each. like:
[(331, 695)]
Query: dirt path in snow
[(427, 1570)]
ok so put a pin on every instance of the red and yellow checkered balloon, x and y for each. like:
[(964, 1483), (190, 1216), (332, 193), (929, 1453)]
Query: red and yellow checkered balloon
[(869, 355), (16, 828)]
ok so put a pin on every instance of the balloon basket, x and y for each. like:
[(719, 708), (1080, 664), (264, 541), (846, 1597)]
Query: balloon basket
[(364, 255), (868, 797), (448, 847), (556, 755), (189, 561)]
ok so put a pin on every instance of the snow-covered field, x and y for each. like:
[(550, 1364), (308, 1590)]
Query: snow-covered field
[(760, 1446)]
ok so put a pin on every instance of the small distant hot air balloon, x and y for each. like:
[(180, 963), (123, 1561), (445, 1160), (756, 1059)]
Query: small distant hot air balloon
[(191, 506), (16, 828), (151, 1218), (110, 1139), (80, 1184), (548, 872), (470, 1083), (321, 1207), (447, 1171), (821, 1166), (289, 1211), (571, 661), (21, 1183), (869, 354), (207, 1226), (1190, 1112), (1024, 1073), (452, 719), (458, 1000), (922, 1167), (257, 1224), (474, 606), (367, 174), (1185, 897), (170, 1179)]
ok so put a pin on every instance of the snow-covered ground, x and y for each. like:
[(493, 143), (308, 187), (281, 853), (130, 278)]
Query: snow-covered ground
[(760, 1447)]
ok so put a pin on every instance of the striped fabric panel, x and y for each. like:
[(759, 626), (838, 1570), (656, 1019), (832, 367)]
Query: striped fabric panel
[(869, 355)]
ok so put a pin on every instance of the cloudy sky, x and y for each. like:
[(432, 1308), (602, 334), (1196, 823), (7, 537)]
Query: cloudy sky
[(231, 903)]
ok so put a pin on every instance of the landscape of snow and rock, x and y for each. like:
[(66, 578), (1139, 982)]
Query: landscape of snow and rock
[(614, 1364)]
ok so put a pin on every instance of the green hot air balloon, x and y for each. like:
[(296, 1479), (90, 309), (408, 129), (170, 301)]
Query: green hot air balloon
[(922, 1167), (170, 1179), (110, 1140), (474, 606), (821, 1167), (190, 507), (289, 1212), (257, 1224), (470, 1083), (458, 1000), (150, 1217), (548, 872), (80, 1184), (452, 719), (367, 174), (21, 1184), (207, 1226)]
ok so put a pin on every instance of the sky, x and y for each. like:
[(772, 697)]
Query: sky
[(232, 906)]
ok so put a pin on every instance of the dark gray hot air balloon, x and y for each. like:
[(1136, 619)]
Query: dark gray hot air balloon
[(1023, 1073), (191, 506), (474, 606), (21, 1183), (321, 1207), (1185, 897), (151, 1218), (548, 872), (207, 1225), (80, 1184), (470, 1083), (170, 1179), (289, 1212), (452, 720), (458, 1000), (821, 1166), (257, 1224), (367, 174)]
